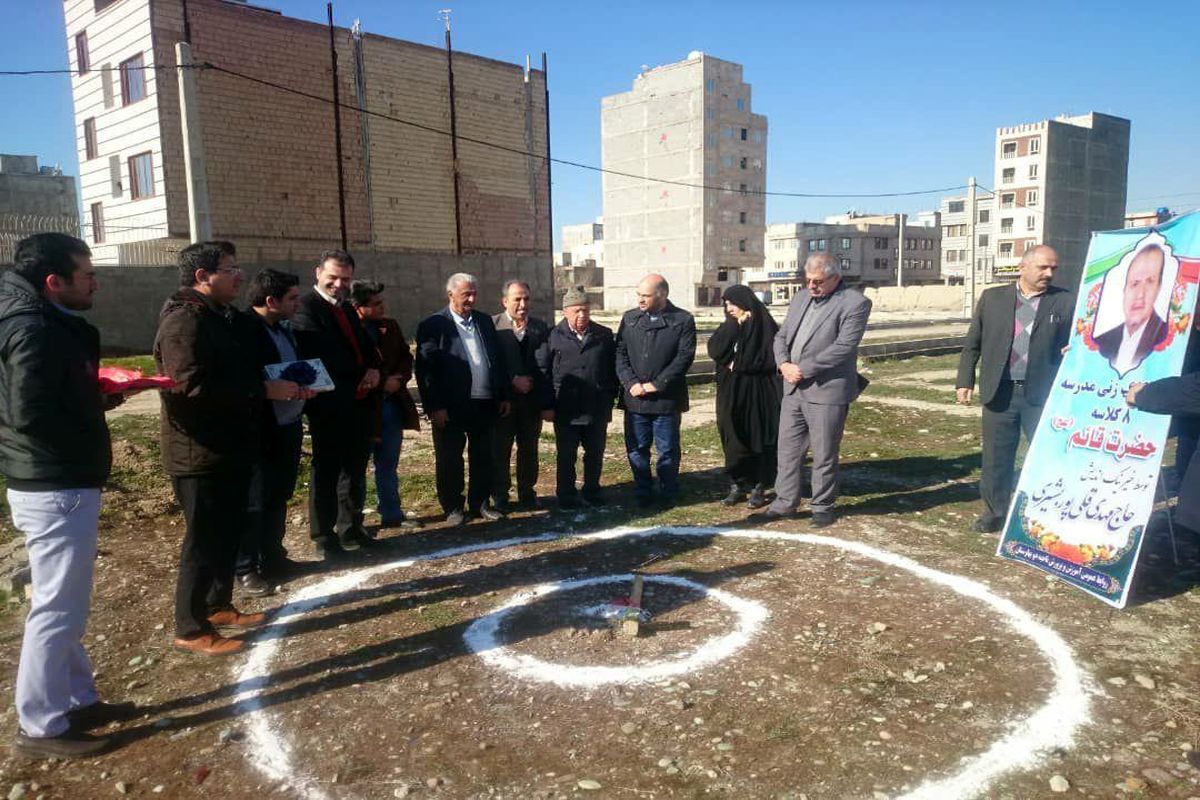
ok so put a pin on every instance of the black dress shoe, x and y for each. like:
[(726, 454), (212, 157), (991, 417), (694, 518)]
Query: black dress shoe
[(568, 503), (735, 496), (281, 568), (822, 519), (456, 519), (645, 502), (593, 498), (770, 515), (72, 744), (528, 502), (255, 585), (490, 514), (757, 498), (330, 549), (98, 714), (987, 525)]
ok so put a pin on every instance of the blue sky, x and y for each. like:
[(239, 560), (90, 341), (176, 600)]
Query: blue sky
[(860, 97)]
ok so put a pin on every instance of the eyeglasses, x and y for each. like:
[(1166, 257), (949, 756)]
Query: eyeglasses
[(229, 270)]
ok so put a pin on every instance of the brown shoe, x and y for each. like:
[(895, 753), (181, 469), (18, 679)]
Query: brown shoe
[(232, 618), (210, 644), (71, 744)]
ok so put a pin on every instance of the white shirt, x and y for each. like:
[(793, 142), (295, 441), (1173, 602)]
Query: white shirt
[(328, 298), (481, 378), (517, 332), (1127, 357)]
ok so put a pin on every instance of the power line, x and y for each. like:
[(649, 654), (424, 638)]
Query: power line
[(127, 67), (505, 148)]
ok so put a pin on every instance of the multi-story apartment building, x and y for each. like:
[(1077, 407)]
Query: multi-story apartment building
[(866, 247), (690, 125), (270, 155), (956, 241), (581, 244), (1057, 181)]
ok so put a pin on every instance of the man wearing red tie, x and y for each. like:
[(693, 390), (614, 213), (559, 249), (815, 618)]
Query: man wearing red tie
[(328, 328)]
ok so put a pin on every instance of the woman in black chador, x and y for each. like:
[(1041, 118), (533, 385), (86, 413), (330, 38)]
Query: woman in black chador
[(749, 393)]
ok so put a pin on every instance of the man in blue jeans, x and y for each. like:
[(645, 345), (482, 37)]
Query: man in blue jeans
[(656, 344), (55, 453)]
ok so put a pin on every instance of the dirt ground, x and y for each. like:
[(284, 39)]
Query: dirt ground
[(862, 680)]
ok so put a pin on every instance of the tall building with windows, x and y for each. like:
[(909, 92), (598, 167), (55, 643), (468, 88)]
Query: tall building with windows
[(956, 237), (689, 124), (1057, 181)]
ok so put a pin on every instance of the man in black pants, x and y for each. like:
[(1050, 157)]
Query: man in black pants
[(327, 327), (262, 558), (1017, 338), (463, 386), (209, 438)]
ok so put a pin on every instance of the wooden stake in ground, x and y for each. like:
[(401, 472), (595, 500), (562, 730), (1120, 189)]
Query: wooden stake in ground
[(631, 621)]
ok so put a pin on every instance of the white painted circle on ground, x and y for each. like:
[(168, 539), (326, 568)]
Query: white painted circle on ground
[(1027, 742), (483, 637)]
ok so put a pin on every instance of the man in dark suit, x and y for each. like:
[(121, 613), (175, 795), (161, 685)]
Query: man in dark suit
[(580, 359), (464, 388), (1017, 337), (656, 344), (340, 421), (1125, 346), (521, 337), (816, 350)]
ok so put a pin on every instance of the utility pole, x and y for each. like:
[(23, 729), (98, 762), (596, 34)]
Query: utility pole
[(199, 220), (969, 279), (900, 220), (458, 248), (337, 127)]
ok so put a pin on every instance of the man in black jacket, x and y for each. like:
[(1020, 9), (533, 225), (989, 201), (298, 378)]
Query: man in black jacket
[(464, 387), (521, 338), (580, 360), (341, 421), (55, 454), (210, 433), (656, 344), (1017, 337)]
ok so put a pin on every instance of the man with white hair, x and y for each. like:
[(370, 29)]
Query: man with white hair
[(816, 351), (464, 388)]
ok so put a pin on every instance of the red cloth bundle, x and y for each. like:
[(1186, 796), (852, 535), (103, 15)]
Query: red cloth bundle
[(114, 380)]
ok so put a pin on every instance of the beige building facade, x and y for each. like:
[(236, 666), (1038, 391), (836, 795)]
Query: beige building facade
[(956, 237), (691, 126)]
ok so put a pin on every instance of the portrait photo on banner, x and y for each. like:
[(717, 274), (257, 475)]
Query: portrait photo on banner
[(1133, 319)]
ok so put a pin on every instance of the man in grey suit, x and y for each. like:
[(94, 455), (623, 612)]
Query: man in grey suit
[(1017, 338), (817, 353)]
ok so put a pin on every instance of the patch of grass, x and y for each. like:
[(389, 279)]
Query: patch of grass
[(928, 394), (144, 363)]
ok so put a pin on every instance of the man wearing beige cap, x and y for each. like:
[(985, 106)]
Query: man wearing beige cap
[(580, 362)]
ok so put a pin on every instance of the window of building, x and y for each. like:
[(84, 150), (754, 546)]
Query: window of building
[(955, 207), (1030, 223), (1008, 174), (710, 85), (741, 245), (97, 222), (742, 163), (876, 264), (1006, 225), (845, 243), (1008, 150), (1007, 200), (744, 133), (1031, 197), (133, 80), (844, 264), (89, 138), (820, 244), (985, 216), (742, 217), (1035, 145), (1006, 248), (727, 132), (757, 164), (983, 240), (884, 263), (741, 104), (726, 243), (103, 4), (758, 137), (881, 243), (141, 176), (1033, 172), (742, 188), (722, 274), (83, 61)]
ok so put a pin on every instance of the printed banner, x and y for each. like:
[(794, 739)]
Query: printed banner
[(1091, 476)]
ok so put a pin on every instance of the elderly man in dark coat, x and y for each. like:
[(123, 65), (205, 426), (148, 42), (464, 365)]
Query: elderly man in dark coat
[(656, 343), (580, 361)]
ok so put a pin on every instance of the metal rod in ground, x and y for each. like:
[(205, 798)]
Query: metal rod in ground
[(1162, 488), (337, 127), (631, 622)]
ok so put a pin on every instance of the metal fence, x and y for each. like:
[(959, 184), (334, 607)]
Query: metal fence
[(134, 246)]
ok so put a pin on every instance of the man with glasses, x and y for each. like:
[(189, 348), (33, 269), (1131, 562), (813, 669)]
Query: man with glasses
[(816, 350), (656, 343), (210, 437)]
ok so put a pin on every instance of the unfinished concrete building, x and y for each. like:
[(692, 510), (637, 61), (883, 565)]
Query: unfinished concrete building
[(689, 125)]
